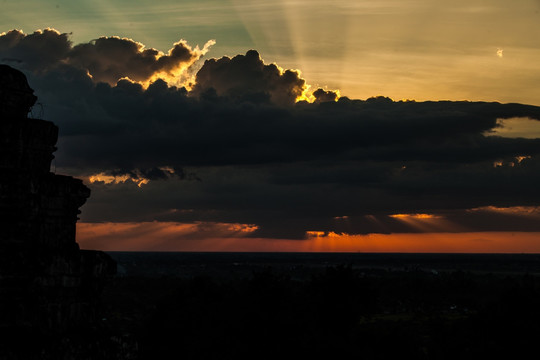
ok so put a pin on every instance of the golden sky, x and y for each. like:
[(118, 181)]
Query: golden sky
[(418, 49)]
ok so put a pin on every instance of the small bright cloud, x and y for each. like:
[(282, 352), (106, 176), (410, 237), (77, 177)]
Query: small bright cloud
[(114, 179), (516, 127)]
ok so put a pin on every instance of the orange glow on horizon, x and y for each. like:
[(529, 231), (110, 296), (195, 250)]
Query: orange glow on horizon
[(528, 211), (159, 236), (414, 216), (434, 242), (170, 236)]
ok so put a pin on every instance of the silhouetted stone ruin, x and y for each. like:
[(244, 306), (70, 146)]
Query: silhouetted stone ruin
[(49, 288)]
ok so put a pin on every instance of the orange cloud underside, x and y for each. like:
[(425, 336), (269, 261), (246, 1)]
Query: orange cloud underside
[(169, 236)]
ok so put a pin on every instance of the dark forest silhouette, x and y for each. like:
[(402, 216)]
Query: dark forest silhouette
[(380, 307)]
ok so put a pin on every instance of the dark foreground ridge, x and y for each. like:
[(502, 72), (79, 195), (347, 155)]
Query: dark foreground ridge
[(49, 288)]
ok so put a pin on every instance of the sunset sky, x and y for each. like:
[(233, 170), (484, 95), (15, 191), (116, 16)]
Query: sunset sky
[(235, 125)]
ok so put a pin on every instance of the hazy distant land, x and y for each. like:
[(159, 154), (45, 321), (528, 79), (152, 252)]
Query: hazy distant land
[(300, 265)]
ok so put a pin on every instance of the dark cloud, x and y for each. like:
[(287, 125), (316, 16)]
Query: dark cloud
[(186, 131), (106, 59), (264, 159), (285, 200), (322, 95), (247, 77), (36, 52), (109, 59)]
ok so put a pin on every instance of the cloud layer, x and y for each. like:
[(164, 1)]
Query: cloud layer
[(241, 146)]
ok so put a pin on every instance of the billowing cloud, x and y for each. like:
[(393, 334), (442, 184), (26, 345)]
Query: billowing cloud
[(322, 95), (247, 77), (106, 59), (239, 149), (37, 52)]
